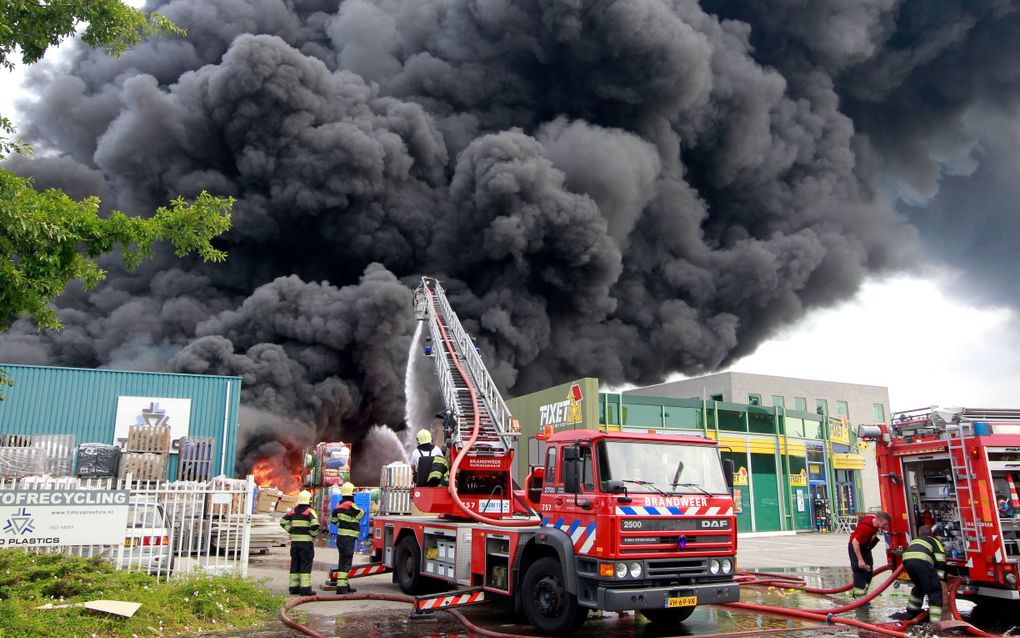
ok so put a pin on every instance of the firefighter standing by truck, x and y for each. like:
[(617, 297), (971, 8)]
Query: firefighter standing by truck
[(346, 517), (862, 541), (925, 561), (302, 524)]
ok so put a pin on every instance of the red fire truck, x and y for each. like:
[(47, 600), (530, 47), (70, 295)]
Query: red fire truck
[(612, 521), (958, 468)]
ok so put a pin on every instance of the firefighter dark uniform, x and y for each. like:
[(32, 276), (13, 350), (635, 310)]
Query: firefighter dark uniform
[(302, 524), (925, 561), (440, 473), (866, 536), (347, 518)]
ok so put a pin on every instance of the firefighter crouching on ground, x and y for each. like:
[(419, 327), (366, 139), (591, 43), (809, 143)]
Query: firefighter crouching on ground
[(924, 560), (302, 524), (347, 518), (862, 541)]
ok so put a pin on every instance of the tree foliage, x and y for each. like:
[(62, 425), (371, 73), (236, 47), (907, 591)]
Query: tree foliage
[(33, 26), (48, 239)]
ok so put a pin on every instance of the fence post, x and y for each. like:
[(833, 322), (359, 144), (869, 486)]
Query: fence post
[(249, 495)]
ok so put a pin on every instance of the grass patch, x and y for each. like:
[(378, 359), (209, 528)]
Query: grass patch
[(168, 608)]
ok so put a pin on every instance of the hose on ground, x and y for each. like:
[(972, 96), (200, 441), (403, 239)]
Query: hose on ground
[(828, 621), (786, 581)]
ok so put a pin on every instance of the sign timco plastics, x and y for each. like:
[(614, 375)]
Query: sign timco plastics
[(50, 518)]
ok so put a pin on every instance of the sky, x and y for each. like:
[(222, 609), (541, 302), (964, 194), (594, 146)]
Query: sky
[(910, 333)]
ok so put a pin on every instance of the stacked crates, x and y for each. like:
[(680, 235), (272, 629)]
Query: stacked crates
[(195, 458), (36, 454), (146, 453)]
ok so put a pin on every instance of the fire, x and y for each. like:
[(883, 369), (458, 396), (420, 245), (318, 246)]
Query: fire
[(268, 473)]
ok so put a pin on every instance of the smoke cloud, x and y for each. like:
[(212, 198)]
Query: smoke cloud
[(615, 188)]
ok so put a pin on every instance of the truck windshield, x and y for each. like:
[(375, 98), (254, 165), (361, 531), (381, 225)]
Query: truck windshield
[(661, 467)]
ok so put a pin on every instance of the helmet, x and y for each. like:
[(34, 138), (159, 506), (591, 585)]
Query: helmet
[(424, 436), (304, 497), (347, 489)]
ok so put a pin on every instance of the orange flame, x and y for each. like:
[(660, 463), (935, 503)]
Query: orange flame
[(268, 473)]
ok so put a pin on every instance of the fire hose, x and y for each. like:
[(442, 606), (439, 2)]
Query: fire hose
[(455, 467)]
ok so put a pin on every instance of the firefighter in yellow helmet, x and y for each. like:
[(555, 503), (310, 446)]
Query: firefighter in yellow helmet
[(425, 449), (302, 524), (347, 518)]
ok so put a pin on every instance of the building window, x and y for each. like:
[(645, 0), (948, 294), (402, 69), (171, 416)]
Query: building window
[(754, 399), (843, 409), (778, 401), (800, 403), (821, 406), (715, 397), (878, 412)]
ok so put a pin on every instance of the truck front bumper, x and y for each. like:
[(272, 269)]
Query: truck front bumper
[(612, 599)]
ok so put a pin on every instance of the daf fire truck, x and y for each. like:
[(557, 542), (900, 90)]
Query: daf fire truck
[(958, 468), (607, 520)]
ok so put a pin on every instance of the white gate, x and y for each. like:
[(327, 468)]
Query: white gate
[(174, 529)]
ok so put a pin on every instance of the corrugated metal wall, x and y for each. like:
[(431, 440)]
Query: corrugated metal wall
[(50, 400)]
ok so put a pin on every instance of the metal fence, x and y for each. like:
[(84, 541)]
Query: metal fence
[(174, 529)]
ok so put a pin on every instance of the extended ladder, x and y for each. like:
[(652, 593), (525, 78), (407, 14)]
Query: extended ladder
[(450, 345)]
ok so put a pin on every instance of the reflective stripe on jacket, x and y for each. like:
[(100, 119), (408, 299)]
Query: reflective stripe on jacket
[(930, 550), (440, 470), (347, 518), (301, 523)]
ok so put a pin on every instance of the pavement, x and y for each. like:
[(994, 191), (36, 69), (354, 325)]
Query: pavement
[(754, 552)]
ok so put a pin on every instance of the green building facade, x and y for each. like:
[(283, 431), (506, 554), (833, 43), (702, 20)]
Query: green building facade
[(795, 470)]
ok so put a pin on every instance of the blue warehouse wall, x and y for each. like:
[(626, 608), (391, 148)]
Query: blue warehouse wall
[(83, 402)]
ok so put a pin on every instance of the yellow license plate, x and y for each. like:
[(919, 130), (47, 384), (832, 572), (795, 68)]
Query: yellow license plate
[(129, 542), (682, 601)]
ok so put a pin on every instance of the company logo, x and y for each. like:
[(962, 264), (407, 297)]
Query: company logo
[(21, 523), (714, 523), (562, 412)]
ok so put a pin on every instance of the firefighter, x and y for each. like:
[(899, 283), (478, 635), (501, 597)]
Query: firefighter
[(925, 561), (302, 524), (347, 518), (440, 473), (862, 541), (425, 448)]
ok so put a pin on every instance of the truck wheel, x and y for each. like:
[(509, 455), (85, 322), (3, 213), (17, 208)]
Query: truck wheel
[(547, 605), (668, 616), (407, 565)]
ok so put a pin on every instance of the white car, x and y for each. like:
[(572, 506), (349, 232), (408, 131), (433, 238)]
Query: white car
[(147, 539)]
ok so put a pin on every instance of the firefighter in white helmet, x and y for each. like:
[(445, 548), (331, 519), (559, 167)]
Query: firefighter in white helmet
[(425, 448), (302, 524), (346, 517)]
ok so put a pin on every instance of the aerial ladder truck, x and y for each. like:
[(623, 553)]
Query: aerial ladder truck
[(957, 469), (609, 521)]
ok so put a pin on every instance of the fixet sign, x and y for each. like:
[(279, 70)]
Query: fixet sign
[(53, 518), (562, 413)]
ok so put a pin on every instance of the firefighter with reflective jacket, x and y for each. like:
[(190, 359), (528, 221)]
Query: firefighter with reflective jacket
[(925, 561), (347, 518), (862, 541), (302, 524), (426, 448)]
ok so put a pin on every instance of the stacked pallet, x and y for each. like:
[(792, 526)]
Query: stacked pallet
[(195, 460), (18, 461), (59, 450), (146, 453), (266, 532), (395, 489)]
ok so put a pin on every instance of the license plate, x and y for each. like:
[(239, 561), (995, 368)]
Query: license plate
[(682, 601)]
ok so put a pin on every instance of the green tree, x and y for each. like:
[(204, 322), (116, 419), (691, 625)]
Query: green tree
[(48, 239)]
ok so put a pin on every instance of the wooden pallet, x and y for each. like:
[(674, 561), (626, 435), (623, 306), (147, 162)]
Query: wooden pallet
[(195, 460), (60, 449), (148, 438), (143, 466)]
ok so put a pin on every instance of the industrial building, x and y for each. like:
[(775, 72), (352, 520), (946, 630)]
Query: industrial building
[(797, 463), (98, 406)]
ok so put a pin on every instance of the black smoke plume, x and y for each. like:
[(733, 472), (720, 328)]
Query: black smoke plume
[(615, 188)]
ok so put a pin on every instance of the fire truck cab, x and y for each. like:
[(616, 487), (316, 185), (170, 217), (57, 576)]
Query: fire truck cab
[(958, 469)]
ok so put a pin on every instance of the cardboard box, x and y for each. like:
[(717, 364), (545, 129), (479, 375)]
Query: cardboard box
[(286, 503)]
